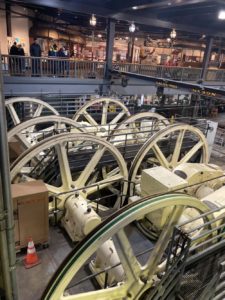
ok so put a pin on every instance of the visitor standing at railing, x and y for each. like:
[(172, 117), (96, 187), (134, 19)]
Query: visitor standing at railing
[(64, 64), (67, 62), (13, 66), (53, 53), (35, 53), (21, 59), (13, 49)]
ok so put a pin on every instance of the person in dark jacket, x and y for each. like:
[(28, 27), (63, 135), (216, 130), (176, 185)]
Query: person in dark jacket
[(13, 50), (64, 64), (35, 51), (20, 50), (61, 54), (53, 53), (21, 59), (13, 61)]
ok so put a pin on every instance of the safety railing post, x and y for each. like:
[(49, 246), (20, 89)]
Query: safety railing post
[(181, 75)]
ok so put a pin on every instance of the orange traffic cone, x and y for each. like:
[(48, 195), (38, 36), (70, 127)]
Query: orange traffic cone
[(31, 258)]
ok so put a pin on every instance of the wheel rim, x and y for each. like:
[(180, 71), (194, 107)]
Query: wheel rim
[(59, 146), (115, 225), (40, 106), (151, 145)]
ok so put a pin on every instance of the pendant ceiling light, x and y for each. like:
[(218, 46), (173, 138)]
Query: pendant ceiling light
[(93, 20), (132, 27), (173, 34)]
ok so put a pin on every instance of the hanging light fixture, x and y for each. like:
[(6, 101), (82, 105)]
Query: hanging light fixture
[(173, 34), (93, 20), (221, 15), (132, 27), (168, 40)]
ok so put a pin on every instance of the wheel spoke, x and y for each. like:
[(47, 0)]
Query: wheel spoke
[(128, 260), (103, 183), (53, 189), (90, 167), (160, 156), (177, 149), (117, 118), (113, 172), (191, 152), (154, 126), (93, 178), (13, 114), (38, 111), (90, 119), (64, 166), (163, 241), (104, 112)]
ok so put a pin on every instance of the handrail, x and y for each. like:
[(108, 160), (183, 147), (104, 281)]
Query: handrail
[(171, 72), (15, 65)]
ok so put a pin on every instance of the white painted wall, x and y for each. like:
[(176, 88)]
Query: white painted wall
[(20, 28), (3, 32)]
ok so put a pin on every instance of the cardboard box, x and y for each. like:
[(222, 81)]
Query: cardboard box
[(30, 207), (15, 149)]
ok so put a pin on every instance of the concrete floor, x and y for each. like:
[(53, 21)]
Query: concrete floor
[(31, 282)]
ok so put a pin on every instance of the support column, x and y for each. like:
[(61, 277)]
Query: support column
[(109, 46), (206, 57), (130, 49), (7, 220), (8, 19)]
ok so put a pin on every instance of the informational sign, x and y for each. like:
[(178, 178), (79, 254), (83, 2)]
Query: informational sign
[(166, 84), (204, 92), (187, 87)]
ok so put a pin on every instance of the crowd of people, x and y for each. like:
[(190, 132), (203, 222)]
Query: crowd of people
[(56, 67), (17, 65), (59, 67)]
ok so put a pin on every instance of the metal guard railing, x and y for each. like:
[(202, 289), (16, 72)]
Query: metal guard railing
[(175, 73), (53, 67), (64, 67)]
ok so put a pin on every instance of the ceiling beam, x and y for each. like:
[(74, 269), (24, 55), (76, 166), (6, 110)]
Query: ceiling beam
[(157, 5), (187, 12), (152, 21), (220, 2), (72, 6)]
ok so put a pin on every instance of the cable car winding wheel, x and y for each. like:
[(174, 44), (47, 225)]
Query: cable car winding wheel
[(108, 112), (23, 108), (71, 166), (122, 267)]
